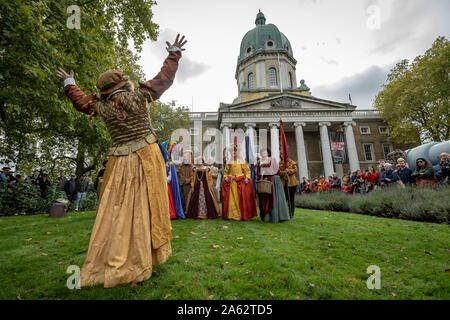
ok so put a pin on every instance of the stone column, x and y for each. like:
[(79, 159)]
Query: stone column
[(251, 136), (301, 150), (326, 150), (275, 141), (351, 146), (226, 134)]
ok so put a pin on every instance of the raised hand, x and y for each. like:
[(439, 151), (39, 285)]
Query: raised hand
[(178, 43), (60, 73)]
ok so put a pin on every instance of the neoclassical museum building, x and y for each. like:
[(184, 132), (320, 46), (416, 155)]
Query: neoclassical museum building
[(323, 136)]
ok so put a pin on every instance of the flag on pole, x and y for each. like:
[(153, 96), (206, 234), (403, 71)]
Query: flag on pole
[(283, 145), (250, 159)]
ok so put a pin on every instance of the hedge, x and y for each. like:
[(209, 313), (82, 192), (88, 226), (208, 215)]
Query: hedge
[(25, 198), (411, 203)]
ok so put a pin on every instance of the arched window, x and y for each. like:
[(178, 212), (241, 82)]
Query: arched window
[(290, 80), (251, 81), (273, 77)]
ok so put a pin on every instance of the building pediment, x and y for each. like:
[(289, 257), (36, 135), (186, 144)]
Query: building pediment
[(287, 102)]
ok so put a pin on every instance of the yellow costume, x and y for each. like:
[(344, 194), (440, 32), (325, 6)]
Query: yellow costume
[(235, 170)]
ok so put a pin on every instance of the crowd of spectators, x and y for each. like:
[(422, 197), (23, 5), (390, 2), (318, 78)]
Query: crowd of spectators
[(75, 188), (385, 175)]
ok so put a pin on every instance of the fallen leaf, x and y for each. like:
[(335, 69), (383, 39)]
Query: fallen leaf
[(27, 241), (204, 237), (18, 297), (60, 262), (192, 232), (215, 246), (211, 297), (176, 237), (33, 224), (406, 258), (48, 233), (312, 285), (187, 261), (167, 295), (225, 227), (43, 254), (271, 293), (297, 298), (221, 266), (240, 238), (394, 294)]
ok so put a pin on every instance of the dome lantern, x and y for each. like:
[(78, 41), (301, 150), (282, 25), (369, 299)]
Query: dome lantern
[(260, 19)]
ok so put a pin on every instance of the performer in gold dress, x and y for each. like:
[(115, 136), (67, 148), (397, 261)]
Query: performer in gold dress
[(238, 197), (132, 229)]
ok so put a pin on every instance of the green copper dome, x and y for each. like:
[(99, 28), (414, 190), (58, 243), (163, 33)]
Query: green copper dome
[(264, 38)]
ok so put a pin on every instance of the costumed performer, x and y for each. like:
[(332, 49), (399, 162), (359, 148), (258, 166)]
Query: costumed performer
[(290, 183), (238, 196), (202, 203), (132, 229), (272, 207)]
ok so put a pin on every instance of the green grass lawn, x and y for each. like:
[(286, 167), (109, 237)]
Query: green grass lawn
[(318, 255)]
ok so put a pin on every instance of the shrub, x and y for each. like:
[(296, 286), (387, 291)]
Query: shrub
[(412, 203), (25, 198)]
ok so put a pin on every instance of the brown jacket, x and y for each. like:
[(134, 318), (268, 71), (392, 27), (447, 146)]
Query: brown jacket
[(134, 103), (289, 174)]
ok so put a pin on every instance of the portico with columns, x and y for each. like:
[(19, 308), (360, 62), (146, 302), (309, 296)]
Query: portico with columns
[(307, 122)]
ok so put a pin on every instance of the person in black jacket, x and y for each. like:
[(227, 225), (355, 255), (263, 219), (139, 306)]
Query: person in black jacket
[(43, 185), (71, 188)]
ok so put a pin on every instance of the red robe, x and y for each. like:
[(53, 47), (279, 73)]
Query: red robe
[(247, 208)]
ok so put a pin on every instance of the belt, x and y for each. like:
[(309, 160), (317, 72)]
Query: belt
[(132, 146)]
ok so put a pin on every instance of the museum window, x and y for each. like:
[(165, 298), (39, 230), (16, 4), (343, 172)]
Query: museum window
[(249, 51), (194, 131), (273, 77), (387, 148), (211, 131), (364, 130), (290, 80), (368, 151), (270, 44), (251, 81), (383, 130)]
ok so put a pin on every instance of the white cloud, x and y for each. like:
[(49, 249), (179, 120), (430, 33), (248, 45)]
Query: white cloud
[(363, 87)]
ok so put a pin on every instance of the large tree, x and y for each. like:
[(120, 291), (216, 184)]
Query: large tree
[(415, 100), (37, 122)]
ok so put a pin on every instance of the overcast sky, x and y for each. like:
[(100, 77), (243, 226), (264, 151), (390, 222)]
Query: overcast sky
[(341, 47)]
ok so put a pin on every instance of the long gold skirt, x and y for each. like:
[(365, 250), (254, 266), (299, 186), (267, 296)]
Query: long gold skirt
[(132, 230)]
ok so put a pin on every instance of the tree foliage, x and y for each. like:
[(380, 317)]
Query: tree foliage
[(415, 101), (166, 118), (38, 125)]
